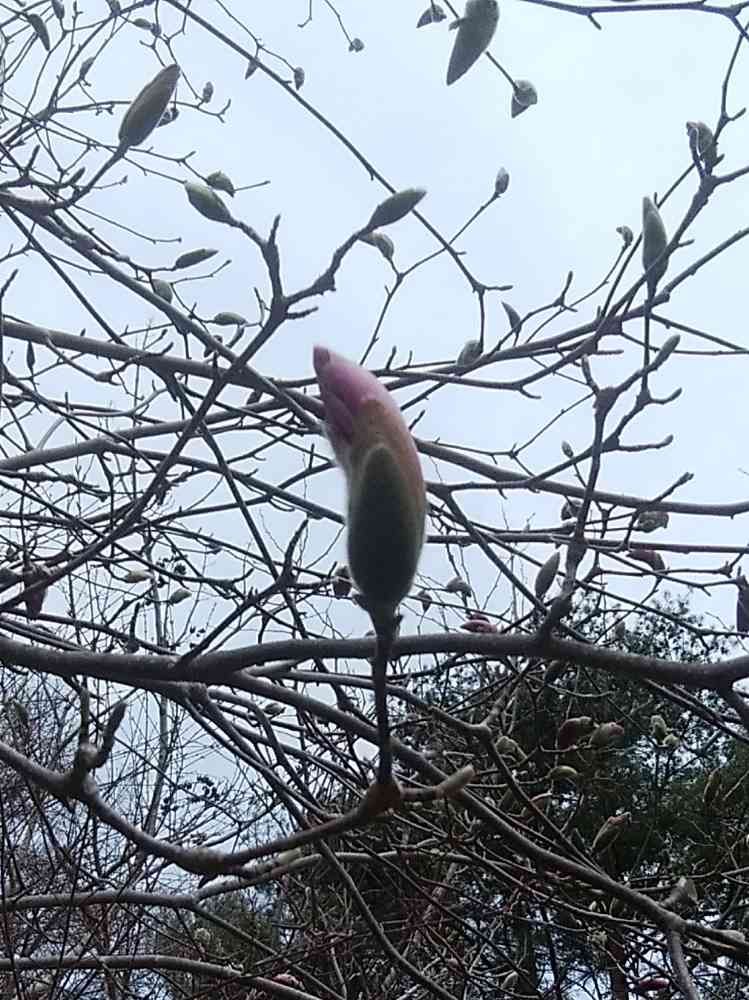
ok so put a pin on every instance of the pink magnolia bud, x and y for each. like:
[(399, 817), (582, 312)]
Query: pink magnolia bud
[(386, 497), (480, 625)]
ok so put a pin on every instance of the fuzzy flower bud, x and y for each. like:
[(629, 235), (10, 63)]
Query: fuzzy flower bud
[(386, 496), (654, 243)]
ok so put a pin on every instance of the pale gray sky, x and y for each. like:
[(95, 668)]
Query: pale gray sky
[(608, 128)]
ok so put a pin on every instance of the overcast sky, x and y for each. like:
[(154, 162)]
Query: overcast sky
[(609, 127)]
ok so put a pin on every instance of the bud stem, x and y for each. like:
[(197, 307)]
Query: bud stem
[(385, 624)]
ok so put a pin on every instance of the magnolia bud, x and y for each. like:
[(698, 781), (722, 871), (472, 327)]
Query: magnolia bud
[(207, 93), (163, 289), (626, 234), (475, 31), (386, 496), (703, 145), (34, 573), (501, 182), (382, 242), (671, 742), (207, 202), (144, 114), (85, 67), (547, 573), (650, 520), (220, 182), (193, 257), (470, 352), (654, 243), (179, 595), (570, 509), (524, 96), (513, 316), (666, 350), (653, 984), (567, 449), (479, 625), (426, 600), (459, 586), (432, 15), (395, 207), (341, 581), (356, 45), (650, 556), (229, 319), (40, 29), (299, 77)]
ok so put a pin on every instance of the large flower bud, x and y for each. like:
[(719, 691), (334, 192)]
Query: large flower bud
[(654, 243), (386, 497)]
